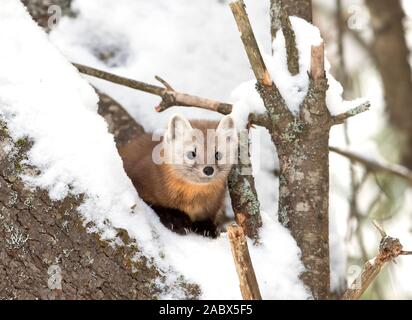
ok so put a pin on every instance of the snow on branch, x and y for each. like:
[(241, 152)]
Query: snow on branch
[(249, 41), (389, 249), (374, 165), (281, 21), (248, 284), (342, 117)]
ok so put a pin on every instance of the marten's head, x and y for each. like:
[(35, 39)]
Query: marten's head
[(200, 151)]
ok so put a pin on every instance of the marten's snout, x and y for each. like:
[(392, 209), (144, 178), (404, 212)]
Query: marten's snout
[(208, 171)]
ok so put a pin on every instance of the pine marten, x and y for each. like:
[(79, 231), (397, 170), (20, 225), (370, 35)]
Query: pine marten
[(183, 176)]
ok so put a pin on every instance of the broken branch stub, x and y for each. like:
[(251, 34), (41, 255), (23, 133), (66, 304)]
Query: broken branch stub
[(248, 284)]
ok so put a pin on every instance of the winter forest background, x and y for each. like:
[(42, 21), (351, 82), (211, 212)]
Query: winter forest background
[(195, 46)]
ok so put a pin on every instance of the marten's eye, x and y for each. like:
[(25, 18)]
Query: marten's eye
[(191, 155), (218, 155)]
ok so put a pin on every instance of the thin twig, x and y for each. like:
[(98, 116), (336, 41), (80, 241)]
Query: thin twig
[(341, 118), (374, 165), (247, 279)]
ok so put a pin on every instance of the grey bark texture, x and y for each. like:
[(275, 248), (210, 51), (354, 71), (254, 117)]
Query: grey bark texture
[(302, 145), (392, 60), (40, 237), (46, 251)]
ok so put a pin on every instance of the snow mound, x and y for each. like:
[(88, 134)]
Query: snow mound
[(43, 98)]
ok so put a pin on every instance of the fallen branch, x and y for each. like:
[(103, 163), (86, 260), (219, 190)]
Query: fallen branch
[(247, 278), (389, 249), (376, 166), (249, 41)]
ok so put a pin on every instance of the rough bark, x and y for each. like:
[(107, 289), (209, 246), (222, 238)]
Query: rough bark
[(392, 60), (243, 195), (39, 236), (43, 240), (302, 145)]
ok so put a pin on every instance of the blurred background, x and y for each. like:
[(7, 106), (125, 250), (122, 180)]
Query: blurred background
[(195, 46)]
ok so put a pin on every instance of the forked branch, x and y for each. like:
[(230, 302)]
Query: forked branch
[(169, 96), (389, 249)]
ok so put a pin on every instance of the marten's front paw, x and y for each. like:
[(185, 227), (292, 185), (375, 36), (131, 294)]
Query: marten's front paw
[(178, 222)]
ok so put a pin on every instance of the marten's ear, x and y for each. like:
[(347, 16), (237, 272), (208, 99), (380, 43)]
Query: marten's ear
[(226, 124), (177, 126), (227, 127)]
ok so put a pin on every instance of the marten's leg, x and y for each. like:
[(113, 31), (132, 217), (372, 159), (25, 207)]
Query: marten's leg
[(179, 222), (173, 219)]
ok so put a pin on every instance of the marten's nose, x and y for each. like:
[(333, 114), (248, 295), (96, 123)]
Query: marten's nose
[(208, 171)]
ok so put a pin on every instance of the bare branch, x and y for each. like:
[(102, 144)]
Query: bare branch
[(169, 96), (249, 41), (248, 284), (389, 249), (341, 118), (280, 19), (373, 165)]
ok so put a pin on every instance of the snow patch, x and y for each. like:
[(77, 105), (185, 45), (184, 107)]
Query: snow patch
[(293, 88), (43, 97)]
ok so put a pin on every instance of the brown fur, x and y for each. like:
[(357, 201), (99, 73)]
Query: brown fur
[(161, 185)]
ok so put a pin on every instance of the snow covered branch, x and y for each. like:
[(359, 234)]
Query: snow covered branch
[(280, 20), (249, 41), (374, 165), (341, 118), (389, 249), (248, 284)]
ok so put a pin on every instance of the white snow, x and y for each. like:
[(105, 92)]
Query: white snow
[(43, 98), (293, 88)]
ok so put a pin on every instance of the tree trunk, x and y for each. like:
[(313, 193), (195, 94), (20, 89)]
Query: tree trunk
[(46, 252), (302, 146), (392, 60)]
